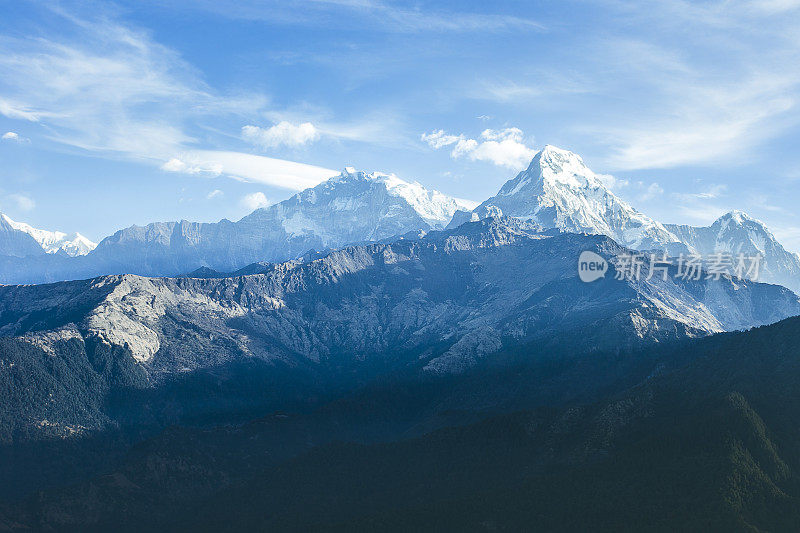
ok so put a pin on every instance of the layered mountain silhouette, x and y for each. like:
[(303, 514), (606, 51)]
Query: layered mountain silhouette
[(439, 304), (353, 207), (403, 361), (557, 190)]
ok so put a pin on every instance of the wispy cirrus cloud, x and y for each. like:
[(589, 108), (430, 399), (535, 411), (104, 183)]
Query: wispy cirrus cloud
[(707, 124), (698, 108), (680, 83), (710, 193), (386, 16), (249, 167), (113, 90), (17, 111), (540, 83)]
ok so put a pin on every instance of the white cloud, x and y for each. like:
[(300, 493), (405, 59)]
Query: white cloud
[(24, 202), (13, 136), (196, 167), (501, 147), (254, 201), (174, 165), (113, 90), (544, 83), (249, 167), (216, 193), (612, 182), (653, 190), (508, 90), (281, 134), (110, 88), (439, 139), (384, 126)]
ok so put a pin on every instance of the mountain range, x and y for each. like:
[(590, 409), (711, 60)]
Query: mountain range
[(556, 191), (442, 303), (402, 361), (350, 208), (737, 233)]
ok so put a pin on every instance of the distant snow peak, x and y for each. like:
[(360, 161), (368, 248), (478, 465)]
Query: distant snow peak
[(738, 233), (737, 217), (432, 206), (52, 242)]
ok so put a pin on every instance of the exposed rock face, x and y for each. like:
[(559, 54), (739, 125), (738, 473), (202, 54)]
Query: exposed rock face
[(441, 303)]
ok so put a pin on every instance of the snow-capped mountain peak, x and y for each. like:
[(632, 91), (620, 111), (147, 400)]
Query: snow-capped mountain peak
[(352, 207), (557, 166), (552, 167), (76, 244), (434, 207), (52, 242), (736, 233), (558, 190), (738, 218)]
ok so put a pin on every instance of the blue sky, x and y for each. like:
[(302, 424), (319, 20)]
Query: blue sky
[(119, 113)]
